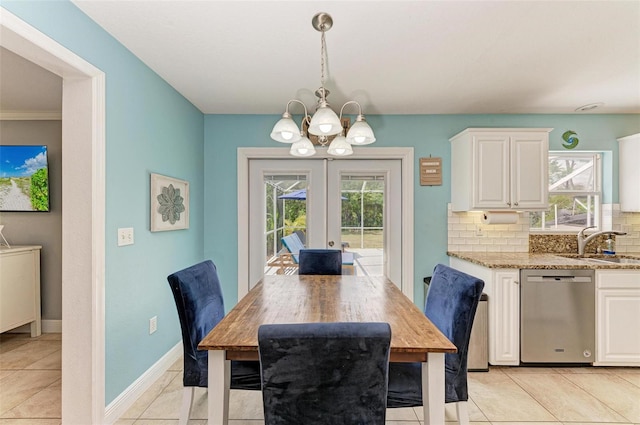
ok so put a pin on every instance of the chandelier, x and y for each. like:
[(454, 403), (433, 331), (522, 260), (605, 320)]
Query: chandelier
[(325, 124)]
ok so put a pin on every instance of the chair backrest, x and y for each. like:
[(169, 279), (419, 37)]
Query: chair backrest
[(200, 305), (320, 261), (302, 236), (324, 373), (293, 243), (451, 304)]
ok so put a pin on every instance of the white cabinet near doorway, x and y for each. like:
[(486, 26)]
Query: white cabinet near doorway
[(617, 318), (20, 288), (495, 169)]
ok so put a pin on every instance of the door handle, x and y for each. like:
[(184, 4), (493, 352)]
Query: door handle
[(330, 243)]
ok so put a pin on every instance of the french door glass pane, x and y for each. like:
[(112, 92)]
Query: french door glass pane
[(362, 221), (286, 209)]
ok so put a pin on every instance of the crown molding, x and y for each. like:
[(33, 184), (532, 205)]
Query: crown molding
[(30, 116)]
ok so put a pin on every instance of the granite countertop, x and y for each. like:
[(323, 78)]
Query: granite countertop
[(525, 260)]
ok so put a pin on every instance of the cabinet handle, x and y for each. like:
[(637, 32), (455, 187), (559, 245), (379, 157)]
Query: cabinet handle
[(516, 204), (509, 203), (516, 282)]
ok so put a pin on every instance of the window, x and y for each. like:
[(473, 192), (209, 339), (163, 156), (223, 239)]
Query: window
[(574, 193)]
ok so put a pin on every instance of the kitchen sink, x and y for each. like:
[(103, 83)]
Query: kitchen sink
[(603, 259), (615, 260)]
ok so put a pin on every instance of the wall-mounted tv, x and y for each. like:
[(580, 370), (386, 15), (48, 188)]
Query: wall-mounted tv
[(24, 178)]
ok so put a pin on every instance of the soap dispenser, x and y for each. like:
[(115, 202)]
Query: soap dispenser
[(609, 246)]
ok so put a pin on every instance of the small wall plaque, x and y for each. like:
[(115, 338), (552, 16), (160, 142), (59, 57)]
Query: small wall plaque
[(431, 171)]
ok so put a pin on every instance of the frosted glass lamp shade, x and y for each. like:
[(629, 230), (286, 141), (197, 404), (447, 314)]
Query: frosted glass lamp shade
[(302, 147), (360, 133), (285, 130), (325, 122), (340, 147)]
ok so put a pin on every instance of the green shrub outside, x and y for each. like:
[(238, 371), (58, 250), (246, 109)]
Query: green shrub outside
[(39, 190)]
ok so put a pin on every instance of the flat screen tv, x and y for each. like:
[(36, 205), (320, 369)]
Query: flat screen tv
[(24, 178)]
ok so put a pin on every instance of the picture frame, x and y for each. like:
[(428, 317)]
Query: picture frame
[(169, 203)]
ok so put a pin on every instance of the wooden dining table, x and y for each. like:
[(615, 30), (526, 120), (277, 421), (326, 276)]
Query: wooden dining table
[(311, 299)]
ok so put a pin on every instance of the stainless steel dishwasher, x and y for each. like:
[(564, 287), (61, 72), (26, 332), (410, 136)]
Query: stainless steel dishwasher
[(557, 316)]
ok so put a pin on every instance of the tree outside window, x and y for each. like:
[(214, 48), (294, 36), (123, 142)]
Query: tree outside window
[(574, 193)]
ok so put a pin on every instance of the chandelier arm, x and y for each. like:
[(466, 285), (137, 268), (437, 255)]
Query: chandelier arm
[(300, 102), (348, 103)]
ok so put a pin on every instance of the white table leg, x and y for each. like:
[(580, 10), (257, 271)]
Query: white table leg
[(433, 389), (219, 383)]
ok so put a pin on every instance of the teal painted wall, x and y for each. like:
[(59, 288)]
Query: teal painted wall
[(427, 134), (149, 128)]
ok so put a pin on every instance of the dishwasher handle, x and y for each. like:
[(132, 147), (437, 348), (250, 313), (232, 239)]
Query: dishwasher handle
[(548, 279)]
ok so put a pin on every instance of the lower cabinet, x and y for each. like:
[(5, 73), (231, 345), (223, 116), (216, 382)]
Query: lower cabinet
[(502, 287), (20, 288), (617, 318)]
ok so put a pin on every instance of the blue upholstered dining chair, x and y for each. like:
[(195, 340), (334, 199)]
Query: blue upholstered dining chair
[(200, 305), (320, 261), (451, 305), (324, 373)]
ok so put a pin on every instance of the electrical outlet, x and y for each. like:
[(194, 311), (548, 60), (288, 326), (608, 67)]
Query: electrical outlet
[(153, 324), (479, 230), (125, 236)]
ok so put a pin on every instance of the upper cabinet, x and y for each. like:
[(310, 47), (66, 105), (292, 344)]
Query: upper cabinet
[(629, 173), (495, 169)]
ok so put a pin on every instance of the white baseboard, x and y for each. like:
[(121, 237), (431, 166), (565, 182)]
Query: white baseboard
[(51, 326), (120, 404)]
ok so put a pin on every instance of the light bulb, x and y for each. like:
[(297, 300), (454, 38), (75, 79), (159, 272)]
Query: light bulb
[(287, 135), (303, 151), (340, 151), (325, 128), (358, 139)]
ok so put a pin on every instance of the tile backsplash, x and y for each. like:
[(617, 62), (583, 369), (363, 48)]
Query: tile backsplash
[(626, 222), (467, 233)]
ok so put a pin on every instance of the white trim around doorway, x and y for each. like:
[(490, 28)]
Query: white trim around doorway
[(83, 216), (405, 154)]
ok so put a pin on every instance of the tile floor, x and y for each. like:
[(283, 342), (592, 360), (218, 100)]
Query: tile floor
[(30, 394)]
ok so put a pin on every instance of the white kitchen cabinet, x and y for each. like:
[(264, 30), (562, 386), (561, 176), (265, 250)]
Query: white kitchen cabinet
[(20, 288), (629, 173), (494, 169), (502, 287), (617, 318)]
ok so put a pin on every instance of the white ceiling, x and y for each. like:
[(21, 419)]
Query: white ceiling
[(394, 57)]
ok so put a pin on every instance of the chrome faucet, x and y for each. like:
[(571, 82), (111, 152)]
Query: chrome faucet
[(583, 241)]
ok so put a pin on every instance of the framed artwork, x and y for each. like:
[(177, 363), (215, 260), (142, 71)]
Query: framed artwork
[(169, 203)]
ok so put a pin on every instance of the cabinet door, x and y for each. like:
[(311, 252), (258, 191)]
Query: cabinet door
[(529, 171), (491, 171), (17, 289), (618, 317), (504, 305), (618, 324), (629, 173)]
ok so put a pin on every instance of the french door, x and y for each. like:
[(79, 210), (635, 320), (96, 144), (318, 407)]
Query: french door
[(353, 205)]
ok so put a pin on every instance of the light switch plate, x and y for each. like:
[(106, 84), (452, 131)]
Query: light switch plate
[(125, 236)]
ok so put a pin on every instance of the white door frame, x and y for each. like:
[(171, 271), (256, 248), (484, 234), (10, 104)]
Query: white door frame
[(83, 216), (404, 154)]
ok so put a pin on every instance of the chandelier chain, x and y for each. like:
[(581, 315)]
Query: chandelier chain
[(323, 55)]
